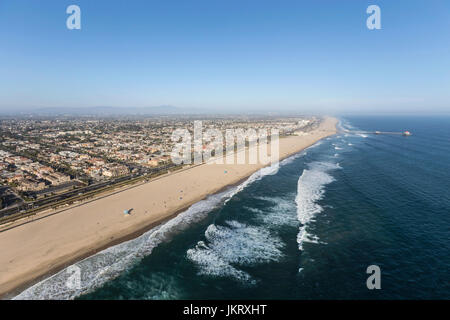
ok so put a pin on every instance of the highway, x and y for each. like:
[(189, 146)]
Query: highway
[(23, 207)]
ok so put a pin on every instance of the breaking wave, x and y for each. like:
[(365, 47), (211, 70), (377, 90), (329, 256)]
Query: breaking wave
[(270, 170), (110, 263), (232, 245), (228, 247), (280, 212), (311, 188), (345, 126), (350, 130)]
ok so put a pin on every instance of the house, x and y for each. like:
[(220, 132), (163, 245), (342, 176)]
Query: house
[(56, 178), (115, 171), (153, 162), (31, 185)]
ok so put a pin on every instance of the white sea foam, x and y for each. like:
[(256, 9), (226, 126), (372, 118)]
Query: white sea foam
[(249, 244), (154, 286), (303, 236), (350, 130), (233, 245), (311, 188), (258, 175), (109, 263), (280, 212), (345, 126)]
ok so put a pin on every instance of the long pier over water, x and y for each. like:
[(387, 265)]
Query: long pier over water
[(404, 133)]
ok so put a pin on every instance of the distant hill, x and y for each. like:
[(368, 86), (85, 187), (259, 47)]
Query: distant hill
[(105, 111)]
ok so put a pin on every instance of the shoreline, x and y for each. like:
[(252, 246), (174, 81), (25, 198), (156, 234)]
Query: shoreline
[(121, 239), (120, 231)]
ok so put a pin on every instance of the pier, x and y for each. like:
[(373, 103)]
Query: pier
[(404, 133)]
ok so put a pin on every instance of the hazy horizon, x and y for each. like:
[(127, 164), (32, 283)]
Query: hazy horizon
[(227, 57), (175, 111)]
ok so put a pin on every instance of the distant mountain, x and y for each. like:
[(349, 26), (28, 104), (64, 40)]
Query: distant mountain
[(105, 111)]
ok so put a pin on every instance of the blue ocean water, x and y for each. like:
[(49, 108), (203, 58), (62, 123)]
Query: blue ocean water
[(306, 230)]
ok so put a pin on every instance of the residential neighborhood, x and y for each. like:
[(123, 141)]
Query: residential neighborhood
[(43, 157)]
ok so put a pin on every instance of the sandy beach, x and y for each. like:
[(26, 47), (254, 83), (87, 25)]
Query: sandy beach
[(32, 250)]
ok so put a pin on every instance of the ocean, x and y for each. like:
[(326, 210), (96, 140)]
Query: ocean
[(307, 229)]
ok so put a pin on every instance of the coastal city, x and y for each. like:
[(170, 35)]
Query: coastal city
[(47, 162), (224, 159)]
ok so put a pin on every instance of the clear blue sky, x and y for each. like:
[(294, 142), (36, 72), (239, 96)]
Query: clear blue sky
[(227, 54)]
